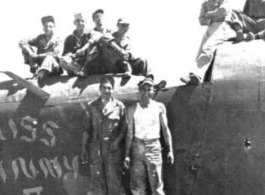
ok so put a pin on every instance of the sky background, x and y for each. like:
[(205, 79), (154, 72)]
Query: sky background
[(166, 32)]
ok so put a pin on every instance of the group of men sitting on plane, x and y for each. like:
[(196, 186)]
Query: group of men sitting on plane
[(98, 51)]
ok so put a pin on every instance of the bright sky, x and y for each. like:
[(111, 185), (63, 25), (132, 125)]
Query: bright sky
[(166, 32)]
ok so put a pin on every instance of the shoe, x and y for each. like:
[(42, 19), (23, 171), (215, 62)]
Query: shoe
[(60, 71), (195, 79), (239, 36), (33, 70), (42, 76), (203, 60), (151, 76), (249, 36), (71, 73), (192, 79)]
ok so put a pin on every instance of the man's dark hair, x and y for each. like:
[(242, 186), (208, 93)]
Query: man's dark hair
[(107, 79)]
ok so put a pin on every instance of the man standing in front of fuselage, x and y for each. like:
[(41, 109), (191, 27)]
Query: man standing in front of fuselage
[(143, 148), (105, 127)]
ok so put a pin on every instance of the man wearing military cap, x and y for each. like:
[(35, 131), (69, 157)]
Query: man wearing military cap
[(75, 47), (146, 120), (96, 62), (47, 19), (99, 20), (120, 52), (105, 128), (45, 60)]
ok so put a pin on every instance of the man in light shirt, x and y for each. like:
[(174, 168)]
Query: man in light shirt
[(96, 60), (121, 53), (216, 14), (44, 61), (146, 119)]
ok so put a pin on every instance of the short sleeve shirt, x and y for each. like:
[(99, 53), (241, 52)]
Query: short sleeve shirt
[(73, 42), (54, 45)]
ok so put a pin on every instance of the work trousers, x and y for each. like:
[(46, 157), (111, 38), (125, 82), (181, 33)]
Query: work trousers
[(49, 62), (70, 65), (106, 170), (138, 66), (146, 165), (216, 34), (247, 23)]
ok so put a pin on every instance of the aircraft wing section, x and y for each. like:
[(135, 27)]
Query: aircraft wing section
[(32, 88)]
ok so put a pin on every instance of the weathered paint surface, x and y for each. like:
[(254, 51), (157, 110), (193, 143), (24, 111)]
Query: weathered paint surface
[(40, 139), (217, 128)]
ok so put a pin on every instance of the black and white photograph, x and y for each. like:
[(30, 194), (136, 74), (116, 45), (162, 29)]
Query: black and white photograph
[(126, 97)]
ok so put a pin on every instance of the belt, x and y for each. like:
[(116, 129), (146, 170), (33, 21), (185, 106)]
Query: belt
[(145, 141), (105, 138)]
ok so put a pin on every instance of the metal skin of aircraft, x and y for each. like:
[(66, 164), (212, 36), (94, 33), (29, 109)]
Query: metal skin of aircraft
[(217, 129), (41, 132)]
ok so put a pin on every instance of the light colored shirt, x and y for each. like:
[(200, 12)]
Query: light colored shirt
[(53, 45), (147, 121), (103, 36), (123, 42), (214, 11)]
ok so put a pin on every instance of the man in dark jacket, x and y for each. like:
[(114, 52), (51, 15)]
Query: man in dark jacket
[(105, 127)]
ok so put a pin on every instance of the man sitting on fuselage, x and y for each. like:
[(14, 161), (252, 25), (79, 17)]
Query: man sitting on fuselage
[(250, 24), (120, 52), (45, 60), (74, 55), (96, 62), (216, 14)]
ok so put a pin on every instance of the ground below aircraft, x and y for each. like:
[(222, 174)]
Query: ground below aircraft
[(217, 128)]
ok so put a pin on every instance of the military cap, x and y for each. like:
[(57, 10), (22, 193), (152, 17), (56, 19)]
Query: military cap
[(78, 16), (107, 79), (145, 81), (47, 19)]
